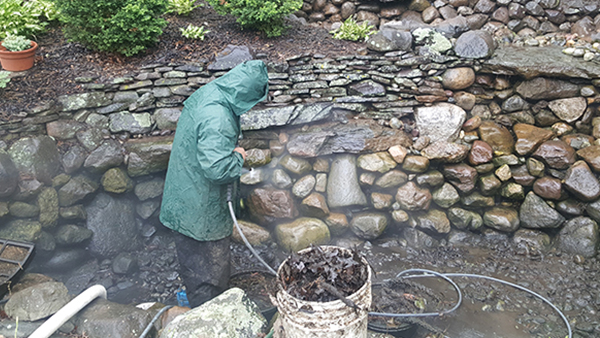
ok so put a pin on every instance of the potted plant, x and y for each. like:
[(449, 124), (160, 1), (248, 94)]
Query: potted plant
[(17, 53)]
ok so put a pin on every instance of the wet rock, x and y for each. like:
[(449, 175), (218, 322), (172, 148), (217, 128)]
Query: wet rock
[(167, 118), (381, 201), (498, 137), (70, 234), (475, 44), (514, 103), (215, 316), (9, 176), (369, 225), (65, 259), (476, 200), (73, 212), (418, 239), (267, 204), (531, 241), (521, 175), (591, 155), (548, 188), (535, 213), (435, 41), (568, 110), (391, 179), (556, 154), (432, 178), (124, 263), (535, 167), (581, 182), (107, 319), (480, 153), (21, 230), (75, 190), (465, 100), (386, 40), (301, 233), (148, 155), (3, 209), (286, 115), (504, 173), (296, 166), (146, 209), (579, 236), (337, 223), (433, 221), (115, 180), (253, 177), (137, 123), (149, 189), (415, 164), (90, 138), (315, 205), (281, 179), (73, 159), (36, 157), (63, 129), (113, 222), (489, 184), (446, 152), (445, 196), (342, 187), (255, 234), (381, 162), (106, 156), (578, 141), (411, 197), (257, 157), (458, 78), (398, 153), (304, 186), (502, 219), (461, 176), (530, 137), (440, 122), (513, 191), (472, 124), (23, 210), (37, 301), (465, 219)]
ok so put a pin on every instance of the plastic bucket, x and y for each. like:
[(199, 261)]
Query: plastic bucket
[(304, 319)]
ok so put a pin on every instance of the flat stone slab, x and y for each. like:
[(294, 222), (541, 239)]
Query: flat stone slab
[(531, 62)]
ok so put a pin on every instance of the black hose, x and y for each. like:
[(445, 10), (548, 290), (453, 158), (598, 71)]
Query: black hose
[(149, 327)]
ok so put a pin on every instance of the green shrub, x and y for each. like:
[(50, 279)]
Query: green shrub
[(120, 26), (193, 32), (264, 15), (46, 8), (350, 30), (16, 43), (182, 7), (4, 78), (18, 17)]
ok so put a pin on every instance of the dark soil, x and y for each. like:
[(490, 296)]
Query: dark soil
[(257, 285), (59, 62)]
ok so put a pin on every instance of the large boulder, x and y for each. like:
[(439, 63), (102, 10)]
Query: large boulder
[(36, 157), (268, 205), (230, 315), (535, 213), (369, 225), (9, 176), (342, 186), (148, 155), (475, 45), (579, 236), (302, 233), (103, 319), (37, 301), (441, 122)]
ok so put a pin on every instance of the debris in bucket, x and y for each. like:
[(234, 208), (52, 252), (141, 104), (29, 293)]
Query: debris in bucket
[(323, 276)]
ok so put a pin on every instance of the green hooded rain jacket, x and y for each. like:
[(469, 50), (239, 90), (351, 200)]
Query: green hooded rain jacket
[(202, 161)]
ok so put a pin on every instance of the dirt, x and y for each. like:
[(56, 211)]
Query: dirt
[(59, 62), (257, 285)]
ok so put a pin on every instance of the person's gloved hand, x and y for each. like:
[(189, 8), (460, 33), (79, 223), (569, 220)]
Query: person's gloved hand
[(241, 151)]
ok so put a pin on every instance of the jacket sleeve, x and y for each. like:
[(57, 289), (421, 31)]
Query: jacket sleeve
[(217, 138)]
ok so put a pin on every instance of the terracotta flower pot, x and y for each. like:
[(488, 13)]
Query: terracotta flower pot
[(17, 61)]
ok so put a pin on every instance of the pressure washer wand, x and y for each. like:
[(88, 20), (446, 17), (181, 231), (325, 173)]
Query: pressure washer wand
[(248, 245)]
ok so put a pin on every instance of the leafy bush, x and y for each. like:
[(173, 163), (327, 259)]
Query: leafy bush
[(350, 30), (4, 78), (264, 15), (182, 7), (16, 43), (20, 18), (46, 8), (120, 26), (193, 32)]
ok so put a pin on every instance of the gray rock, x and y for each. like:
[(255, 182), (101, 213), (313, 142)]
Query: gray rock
[(36, 157), (124, 263), (387, 40), (48, 205), (215, 316), (108, 155), (434, 221), (532, 241), (304, 186), (73, 212), (535, 213), (115, 180), (441, 122), (23, 210), (366, 88), (432, 39), (296, 166), (446, 152), (465, 219), (75, 190), (73, 159), (70, 234), (281, 179), (581, 182), (445, 196), (475, 45), (150, 189), (301, 233), (63, 129), (21, 230), (568, 110), (283, 116), (37, 301), (342, 187), (82, 101), (113, 222), (167, 118), (579, 236), (417, 239), (381, 162), (90, 138), (64, 260), (147, 208), (230, 57), (103, 319), (530, 63), (391, 179), (137, 123), (412, 197), (502, 219), (514, 103), (369, 225), (9, 176), (149, 155)]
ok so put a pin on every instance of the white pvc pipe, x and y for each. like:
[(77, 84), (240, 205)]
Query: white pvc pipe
[(66, 312)]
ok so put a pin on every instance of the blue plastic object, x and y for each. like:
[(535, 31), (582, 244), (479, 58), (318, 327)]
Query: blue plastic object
[(182, 299)]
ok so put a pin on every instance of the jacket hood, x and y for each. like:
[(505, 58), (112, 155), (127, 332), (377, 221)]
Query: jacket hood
[(244, 86)]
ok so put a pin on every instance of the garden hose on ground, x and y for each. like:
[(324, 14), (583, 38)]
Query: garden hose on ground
[(410, 273), (156, 316)]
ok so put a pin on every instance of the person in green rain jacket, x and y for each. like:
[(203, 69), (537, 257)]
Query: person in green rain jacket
[(204, 161)]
